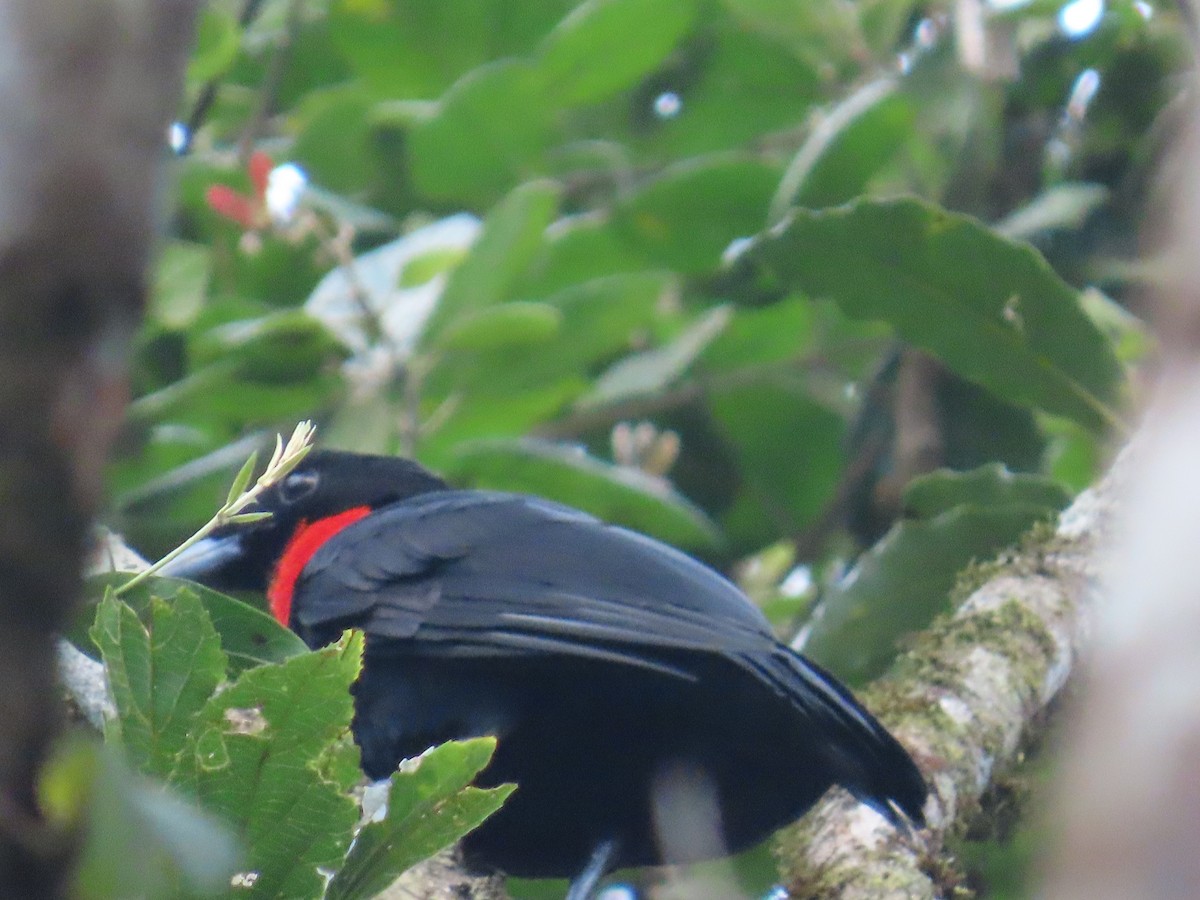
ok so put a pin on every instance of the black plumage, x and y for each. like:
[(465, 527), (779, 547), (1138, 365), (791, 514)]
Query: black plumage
[(602, 659)]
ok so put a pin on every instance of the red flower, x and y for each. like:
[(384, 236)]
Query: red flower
[(249, 211)]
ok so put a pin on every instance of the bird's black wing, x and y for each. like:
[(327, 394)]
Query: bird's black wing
[(488, 574), (505, 572)]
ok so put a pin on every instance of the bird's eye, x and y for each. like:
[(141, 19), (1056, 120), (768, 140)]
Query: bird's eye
[(297, 486)]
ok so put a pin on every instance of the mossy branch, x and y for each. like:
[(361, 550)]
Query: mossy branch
[(961, 699)]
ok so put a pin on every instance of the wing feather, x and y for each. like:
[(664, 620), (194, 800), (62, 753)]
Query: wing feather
[(535, 577)]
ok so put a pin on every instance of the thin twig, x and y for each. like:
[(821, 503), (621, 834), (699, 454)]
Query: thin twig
[(208, 93), (271, 81), (283, 460)]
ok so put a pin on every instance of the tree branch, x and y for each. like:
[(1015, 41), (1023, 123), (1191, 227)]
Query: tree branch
[(962, 700)]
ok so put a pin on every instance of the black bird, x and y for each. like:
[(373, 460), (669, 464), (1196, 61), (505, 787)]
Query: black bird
[(606, 663)]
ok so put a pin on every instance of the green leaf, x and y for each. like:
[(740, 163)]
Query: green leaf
[(1130, 336), (511, 237), (788, 448), (405, 49), (285, 346), (485, 414), (846, 148), (395, 280), (688, 216), (901, 583), (598, 320), (430, 806), (991, 309), (579, 249), (601, 317), (489, 130), (238, 487), (247, 518), (427, 266), (616, 494), (139, 840), (1059, 207), (980, 427), (824, 31), (652, 370), (160, 674), (1074, 457), (606, 46), (414, 48), (988, 486), (249, 636), (515, 324), (740, 86), (231, 395), (333, 137), (764, 337), (180, 284), (216, 45), (256, 758)]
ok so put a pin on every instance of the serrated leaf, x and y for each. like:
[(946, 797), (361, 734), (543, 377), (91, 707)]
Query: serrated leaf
[(430, 806), (257, 760), (616, 494), (987, 486), (990, 308), (249, 636), (160, 674)]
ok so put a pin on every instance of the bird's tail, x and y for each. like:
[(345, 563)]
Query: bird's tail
[(870, 762)]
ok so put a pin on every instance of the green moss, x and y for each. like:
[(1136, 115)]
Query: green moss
[(1042, 538), (944, 871), (936, 659), (1000, 850), (974, 576), (884, 882), (997, 628)]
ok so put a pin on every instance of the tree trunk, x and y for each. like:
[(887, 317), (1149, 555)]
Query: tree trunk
[(86, 93)]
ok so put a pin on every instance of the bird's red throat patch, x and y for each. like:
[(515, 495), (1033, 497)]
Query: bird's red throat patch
[(307, 540)]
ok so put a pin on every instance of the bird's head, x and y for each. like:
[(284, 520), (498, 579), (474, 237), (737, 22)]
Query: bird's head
[(328, 489)]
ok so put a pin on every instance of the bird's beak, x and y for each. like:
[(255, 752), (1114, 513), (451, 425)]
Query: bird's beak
[(207, 560)]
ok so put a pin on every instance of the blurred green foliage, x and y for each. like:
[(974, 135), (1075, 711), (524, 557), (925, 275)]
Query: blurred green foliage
[(708, 268), (530, 227)]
